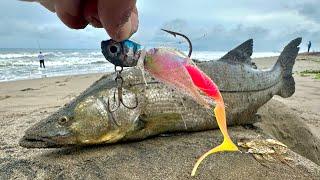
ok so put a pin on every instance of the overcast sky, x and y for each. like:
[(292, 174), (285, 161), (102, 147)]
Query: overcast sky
[(210, 24)]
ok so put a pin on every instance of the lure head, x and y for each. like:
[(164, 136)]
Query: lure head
[(124, 54)]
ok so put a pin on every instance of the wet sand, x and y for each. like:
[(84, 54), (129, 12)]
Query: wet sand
[(306, 99)]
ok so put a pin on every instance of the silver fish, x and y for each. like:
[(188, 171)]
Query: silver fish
[(86, 120)]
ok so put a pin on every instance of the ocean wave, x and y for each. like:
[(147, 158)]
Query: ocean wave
[(95, 54), (99, 62), (15, 64), (18, 55), (27, 55)]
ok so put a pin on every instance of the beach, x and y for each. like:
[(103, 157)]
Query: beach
[(25, 102), (306, 99)]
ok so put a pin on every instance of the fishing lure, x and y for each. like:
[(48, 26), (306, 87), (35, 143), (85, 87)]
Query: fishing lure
[(206, 85), (177, 70), (169, 66)]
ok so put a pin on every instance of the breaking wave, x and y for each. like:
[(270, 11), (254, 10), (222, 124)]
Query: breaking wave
[(16, 64)]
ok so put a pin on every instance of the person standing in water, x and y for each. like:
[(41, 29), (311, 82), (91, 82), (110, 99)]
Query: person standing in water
[(41, 60), (309, 46)]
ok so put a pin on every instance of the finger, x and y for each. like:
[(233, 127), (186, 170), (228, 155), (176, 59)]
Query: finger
[(48, 4), (69, 11), (90, 13), (119, 18)]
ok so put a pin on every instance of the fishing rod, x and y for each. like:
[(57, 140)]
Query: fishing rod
[(39, 46)]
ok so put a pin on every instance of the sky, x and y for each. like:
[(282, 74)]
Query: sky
[(211, 25)]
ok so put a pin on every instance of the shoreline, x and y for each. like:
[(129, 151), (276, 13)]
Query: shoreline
[(53, 77), (24, 67), (258, 60)]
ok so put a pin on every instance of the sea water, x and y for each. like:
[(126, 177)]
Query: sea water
[(18, 64)]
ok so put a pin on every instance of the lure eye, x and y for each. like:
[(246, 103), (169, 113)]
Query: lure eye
[(113, 49), (63, 120)]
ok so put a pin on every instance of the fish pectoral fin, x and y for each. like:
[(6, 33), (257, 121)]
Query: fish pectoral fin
[(139, 124), (227, 145)]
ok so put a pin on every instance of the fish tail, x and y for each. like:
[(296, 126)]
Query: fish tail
[(226, 145), (286, 61)]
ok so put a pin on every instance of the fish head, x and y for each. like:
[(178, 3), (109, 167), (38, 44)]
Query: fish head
[(125, 53), (51, 132), (83, 122)]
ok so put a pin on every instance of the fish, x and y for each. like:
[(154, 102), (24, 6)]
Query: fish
[(86, 120)]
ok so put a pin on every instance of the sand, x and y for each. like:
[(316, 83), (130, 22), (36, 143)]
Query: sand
[(294, 121), (306, 100)]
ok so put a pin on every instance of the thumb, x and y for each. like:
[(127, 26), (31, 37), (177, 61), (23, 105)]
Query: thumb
[(119, 18)]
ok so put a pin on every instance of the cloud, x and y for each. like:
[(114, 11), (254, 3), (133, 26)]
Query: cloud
[(272, 24), (212, 25), (223, 38), (23, 34), (310, 9)]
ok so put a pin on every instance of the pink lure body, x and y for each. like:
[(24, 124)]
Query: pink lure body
[(169, 67)]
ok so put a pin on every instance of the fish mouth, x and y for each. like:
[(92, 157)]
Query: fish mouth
[(37, 142)]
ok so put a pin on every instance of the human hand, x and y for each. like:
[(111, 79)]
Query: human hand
[(118, 17)]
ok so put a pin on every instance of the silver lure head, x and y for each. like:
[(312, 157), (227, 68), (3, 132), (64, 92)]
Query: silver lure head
[(124, 54)]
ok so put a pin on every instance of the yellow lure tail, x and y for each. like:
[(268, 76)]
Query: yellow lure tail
[(226, 145)]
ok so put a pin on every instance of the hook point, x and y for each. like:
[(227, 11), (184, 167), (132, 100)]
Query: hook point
[(182, 35)]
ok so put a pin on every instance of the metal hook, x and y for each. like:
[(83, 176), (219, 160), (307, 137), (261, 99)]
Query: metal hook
[(182, 35), (119, 81)]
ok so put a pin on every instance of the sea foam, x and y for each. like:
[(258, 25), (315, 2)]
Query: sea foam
[(18, 64)]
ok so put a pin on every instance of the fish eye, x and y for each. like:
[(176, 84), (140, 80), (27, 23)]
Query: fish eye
[(63, 120), (113, 49)]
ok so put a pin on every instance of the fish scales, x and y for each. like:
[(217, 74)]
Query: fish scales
[(161, 109)]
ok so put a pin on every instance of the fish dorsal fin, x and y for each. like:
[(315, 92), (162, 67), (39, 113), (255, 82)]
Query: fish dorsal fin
[(240, 54)]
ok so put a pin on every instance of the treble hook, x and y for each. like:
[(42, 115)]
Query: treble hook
[(182, 35), (120, 94)]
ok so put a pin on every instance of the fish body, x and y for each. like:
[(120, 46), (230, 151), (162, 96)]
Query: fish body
[(86, 120)]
